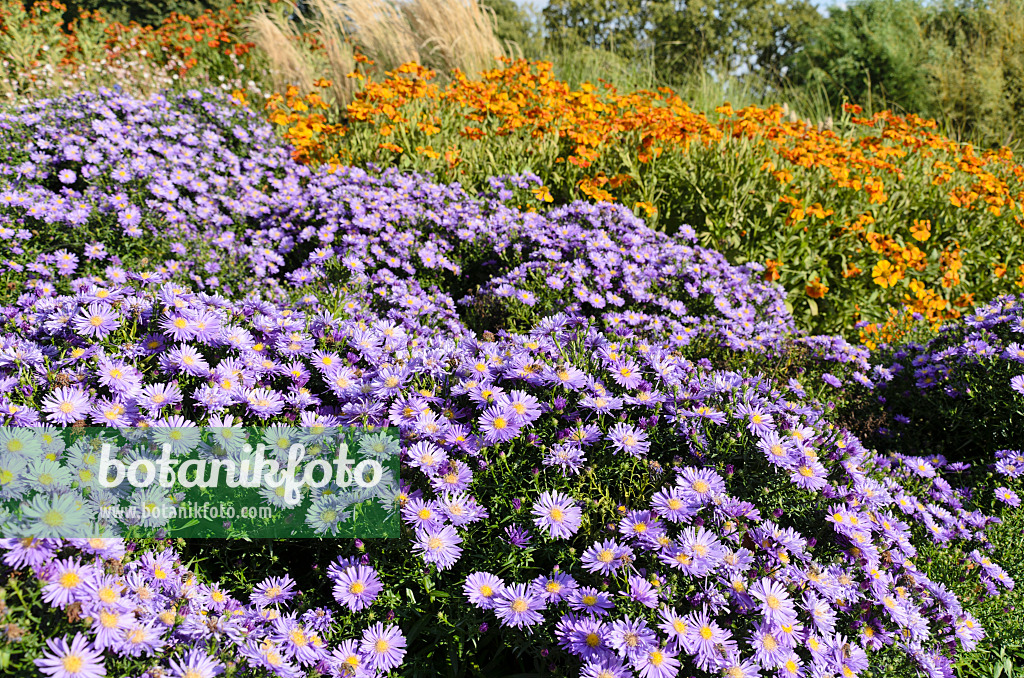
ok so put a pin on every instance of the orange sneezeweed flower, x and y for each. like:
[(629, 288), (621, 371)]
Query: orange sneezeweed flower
[(542, 193), (816, 289), (921, 229), (885, 274)]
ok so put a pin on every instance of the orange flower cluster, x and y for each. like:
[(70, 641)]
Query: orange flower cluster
[(187, 40), (884, 194)]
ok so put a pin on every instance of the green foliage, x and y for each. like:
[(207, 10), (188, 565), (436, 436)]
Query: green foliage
[(728, 37), (618, 25), (869, 53), (958, 61), (976, 66), (515, 27)]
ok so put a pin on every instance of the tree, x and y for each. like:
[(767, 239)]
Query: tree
[(513, 25), (617, 25), (872, 52), (729, 37)]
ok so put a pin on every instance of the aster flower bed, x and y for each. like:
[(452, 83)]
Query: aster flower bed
[(961, 393), (596, 479)]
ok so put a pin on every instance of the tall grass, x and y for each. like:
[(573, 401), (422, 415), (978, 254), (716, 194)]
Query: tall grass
[(441, 34)]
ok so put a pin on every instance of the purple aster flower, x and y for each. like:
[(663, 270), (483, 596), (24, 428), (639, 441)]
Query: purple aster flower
[(456, 477), (516, 606), (776, 605), (438, 545), (272, 591), (700, 485), (67, 177), (657, 662), (555, 588), (383, 648), (141, 639), (810, 475), (517, 536), (77, 660), (97, 321), (609, 666), (831, 380), (524, 407), (631, 638), (264, 402), (196, 664), (1007, 496), (1017, 383), (606, 557), (626, 438), (31, 553), (758, 421), (590, 600), (482, 589), (66, 405), (68, 581), (558, 514), (356, 587), (498, 424), (422, 513), (642, 591), (670, 504)]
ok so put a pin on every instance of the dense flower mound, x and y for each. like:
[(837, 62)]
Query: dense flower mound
[(153, 605), (648, 510), (959, 393)]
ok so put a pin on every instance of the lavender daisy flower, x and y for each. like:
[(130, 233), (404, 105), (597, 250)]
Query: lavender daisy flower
[(196, 664), (632, 639), (605, 667), (31, 553), (498, 424), (657, 662), (357, 587), (555, 588), (1017, 383), (516, 606), (383, 648), (482, 589), (77, 660), (140, 639), (438, 545), (831, 380), (1007, 496), (700, 485), (642, 591), (558, 514), (66, 405), (776, 605), (517, 536), (590, 600), (628, 439), (96, 321), (67, 582), (273, 590), (606, 557), (670, 504)]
